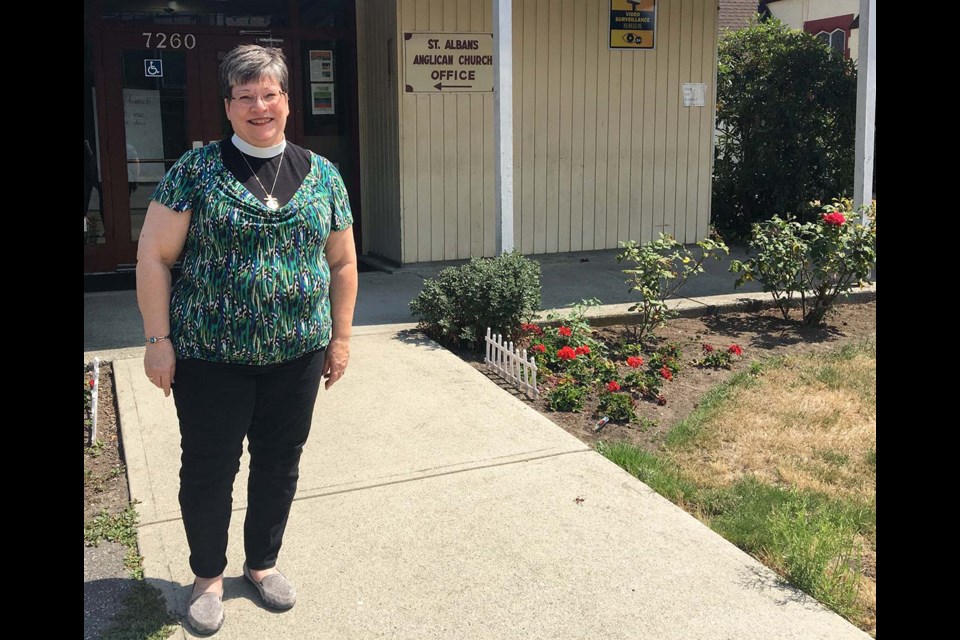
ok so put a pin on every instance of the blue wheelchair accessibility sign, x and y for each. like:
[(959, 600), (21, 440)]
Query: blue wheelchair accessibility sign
[(153, 68)]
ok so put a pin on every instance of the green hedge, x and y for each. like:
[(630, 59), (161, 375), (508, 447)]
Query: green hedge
[(786, 126), (459, 304)]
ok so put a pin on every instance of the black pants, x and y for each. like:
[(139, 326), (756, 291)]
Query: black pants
[(218, 404)]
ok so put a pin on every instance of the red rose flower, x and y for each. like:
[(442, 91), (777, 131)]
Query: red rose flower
[(666, 373), (707, 348), (565, 332), (735, 350), (583, 351), (834, 219), (613, 386), (567, 353), (539, 348), (91, 384), (634, 361)]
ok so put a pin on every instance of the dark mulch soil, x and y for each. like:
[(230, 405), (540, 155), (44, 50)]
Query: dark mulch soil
[(104, 479), (762, 334), (106, 581)]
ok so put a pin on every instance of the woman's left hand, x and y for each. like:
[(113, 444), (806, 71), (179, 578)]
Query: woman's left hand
[(335, 362)]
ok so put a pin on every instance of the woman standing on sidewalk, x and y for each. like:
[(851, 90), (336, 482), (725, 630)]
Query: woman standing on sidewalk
[(262, 312)]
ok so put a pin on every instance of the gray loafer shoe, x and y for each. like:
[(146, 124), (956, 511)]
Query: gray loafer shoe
[(205, 613), (275, 589)]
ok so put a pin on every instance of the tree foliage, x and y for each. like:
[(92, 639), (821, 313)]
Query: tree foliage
[(786, 121)]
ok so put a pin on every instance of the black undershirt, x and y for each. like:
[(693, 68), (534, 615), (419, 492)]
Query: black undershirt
[(296, 166)]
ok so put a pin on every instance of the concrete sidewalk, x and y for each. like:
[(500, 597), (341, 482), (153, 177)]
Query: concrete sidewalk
[(434, 504)]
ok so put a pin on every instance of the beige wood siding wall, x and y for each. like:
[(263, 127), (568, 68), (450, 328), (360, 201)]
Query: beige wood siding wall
[(604, 149), (446, 148), (379, 127)]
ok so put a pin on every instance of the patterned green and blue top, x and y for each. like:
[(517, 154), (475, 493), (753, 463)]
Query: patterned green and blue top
[(254, 287)]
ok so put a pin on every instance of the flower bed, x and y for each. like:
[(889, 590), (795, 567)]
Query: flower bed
[(663, 380), (618, 372)]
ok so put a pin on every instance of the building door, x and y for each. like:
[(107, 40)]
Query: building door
[(161, 97)]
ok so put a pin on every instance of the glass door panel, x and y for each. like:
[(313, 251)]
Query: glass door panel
[(151, 118), (154, 89)]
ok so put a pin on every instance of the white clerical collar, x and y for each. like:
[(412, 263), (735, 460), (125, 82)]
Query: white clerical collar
[(258, 152)]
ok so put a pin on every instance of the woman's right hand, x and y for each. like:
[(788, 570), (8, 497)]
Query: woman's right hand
[(160, 364)]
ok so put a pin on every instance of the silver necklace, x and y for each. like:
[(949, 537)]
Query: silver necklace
[(272, 203)]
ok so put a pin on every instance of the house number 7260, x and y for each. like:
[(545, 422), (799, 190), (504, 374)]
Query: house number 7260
[(170, 40)]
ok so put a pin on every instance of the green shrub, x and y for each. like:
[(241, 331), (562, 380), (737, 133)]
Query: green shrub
[(580, 369), (620, 407), (668, 355), (645, 383), (576, 321), (567, 396), (604, 370), (659, 269), (624, 350), (718, 358), (567, 348), (461, 302), (786, 125), (807, 265)]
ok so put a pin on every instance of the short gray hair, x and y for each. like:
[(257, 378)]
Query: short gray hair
[(251, 62)]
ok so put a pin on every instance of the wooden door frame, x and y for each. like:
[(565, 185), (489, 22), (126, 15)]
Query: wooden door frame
[(113, 134)]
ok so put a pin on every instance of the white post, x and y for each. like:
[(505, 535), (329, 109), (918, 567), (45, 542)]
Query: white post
[(866, 105), (533, 368), (503, 122), (94, 401), (501, 359), (524, 371)]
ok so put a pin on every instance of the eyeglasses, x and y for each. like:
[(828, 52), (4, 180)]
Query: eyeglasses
[(269, 100)]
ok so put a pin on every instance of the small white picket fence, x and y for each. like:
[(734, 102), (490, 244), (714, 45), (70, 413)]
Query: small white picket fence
[(95, 393), (511, 365)]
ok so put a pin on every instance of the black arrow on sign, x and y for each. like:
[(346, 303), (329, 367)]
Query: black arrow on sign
[(439, 86)]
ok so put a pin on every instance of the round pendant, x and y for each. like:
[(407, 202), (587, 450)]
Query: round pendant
[(272, 203)]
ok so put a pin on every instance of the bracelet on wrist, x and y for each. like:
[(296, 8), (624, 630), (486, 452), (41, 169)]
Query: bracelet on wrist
[(156, 339)]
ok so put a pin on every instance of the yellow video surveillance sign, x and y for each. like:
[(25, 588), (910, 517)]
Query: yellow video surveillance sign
[(632, 24)]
